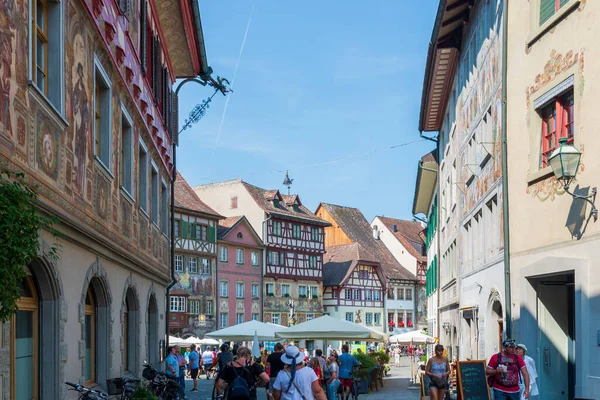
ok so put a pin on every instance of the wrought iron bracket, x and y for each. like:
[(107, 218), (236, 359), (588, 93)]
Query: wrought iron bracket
[(591, 198)]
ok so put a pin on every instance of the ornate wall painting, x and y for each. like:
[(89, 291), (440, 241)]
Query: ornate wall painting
[(126, 210), (7, 87), (47, 146), (102, 197)]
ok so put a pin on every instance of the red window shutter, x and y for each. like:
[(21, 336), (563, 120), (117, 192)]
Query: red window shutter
[(560, 123)]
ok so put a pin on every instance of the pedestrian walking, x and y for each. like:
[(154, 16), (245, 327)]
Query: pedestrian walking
[(531, 369), (194, 366), (274, 364), (332, 381), (207, 360), (182, 367), (503, 368), (438, 371), (250, 372), (296, 381), (347, 363)]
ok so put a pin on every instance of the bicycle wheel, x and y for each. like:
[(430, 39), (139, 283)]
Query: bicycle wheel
[(354, 390)]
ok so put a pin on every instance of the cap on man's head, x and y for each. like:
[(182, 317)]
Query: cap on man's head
[(509, 343), (522, 346)]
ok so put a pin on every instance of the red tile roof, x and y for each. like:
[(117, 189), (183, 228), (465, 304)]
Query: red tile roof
[(185, 197), (409, 234), (263, 199), (226, 224), (354, 224)]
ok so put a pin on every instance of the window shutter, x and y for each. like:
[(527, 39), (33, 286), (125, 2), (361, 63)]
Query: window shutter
[(547, 10), (212, 234), (563, 2), (154, 69), (184, 229), (143, 35)]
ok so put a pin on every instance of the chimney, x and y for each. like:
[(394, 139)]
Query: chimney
[(375, 232), (395, 228)]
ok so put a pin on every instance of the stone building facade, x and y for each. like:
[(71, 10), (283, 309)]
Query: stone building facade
[(85, 113)]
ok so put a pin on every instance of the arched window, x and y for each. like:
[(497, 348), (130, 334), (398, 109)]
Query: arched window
[(152, 331), (24, 347), (90, 336), (130, 333)]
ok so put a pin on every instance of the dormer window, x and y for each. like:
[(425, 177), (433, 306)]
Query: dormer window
[(276, 202), (296, 207)]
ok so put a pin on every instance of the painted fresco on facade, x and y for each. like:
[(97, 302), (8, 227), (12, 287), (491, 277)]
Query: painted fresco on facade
[(194, 284), (281, 304), (8, 12), (47, 146)]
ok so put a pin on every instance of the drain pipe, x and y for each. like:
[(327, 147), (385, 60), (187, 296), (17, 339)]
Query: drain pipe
[(173, 277), (264, 266), (505, 199)]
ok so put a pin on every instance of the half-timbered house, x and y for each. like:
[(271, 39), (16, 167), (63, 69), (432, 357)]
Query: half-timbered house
[(354, 286), (192, 300), (351, 241), (294, 242), (406, 241), (239, 272), (86, 115)]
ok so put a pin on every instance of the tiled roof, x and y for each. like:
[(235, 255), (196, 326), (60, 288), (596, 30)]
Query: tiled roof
[(339, 259), (262, 198), (430, 157), (354, 224), (290, 199), (409, 233), (226, 224), (185, 197)]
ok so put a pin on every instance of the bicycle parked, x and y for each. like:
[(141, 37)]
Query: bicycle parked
[(87, 394), (160, 384), (122, 386)]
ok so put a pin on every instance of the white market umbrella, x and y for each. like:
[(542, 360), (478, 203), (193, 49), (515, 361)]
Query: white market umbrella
[(177, 341), (208, 341), (246, 331), (410, 338), (255, 346), (192, 340), (329, 328)]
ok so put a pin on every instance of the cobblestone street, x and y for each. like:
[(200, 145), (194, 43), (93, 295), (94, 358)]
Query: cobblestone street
[(397, 386)]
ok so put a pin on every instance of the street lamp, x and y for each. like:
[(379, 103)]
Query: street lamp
[(565, 163)]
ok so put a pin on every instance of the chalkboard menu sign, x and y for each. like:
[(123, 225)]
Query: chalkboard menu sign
[(425, 380), (472, 380)]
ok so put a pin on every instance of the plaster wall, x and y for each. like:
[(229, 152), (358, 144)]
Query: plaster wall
[(549, 231), (342, 310), (218, 196), (395, 247)]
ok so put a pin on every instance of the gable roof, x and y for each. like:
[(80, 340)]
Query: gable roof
[(264, 199), (409, 234), (340, 260), (226, 225), (186, 198), (354, 224)]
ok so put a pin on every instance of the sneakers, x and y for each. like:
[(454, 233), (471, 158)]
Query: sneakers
[(194, 390)]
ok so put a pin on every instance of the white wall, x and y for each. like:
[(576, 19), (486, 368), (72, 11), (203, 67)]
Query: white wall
[(218, 197), (399, 252), (342, 310)]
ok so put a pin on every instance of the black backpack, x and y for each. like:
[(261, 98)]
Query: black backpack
[(239, 390)]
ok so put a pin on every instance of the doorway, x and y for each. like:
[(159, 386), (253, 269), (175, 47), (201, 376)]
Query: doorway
[(556, 335)]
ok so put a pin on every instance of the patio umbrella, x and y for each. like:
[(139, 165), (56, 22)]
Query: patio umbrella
[(210, 342), (177, 341), (329, 328), (255, 346), (246, 331), (414, 337)]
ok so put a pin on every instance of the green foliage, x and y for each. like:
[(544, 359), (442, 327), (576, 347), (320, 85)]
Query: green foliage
[(381, 356), (143, 393), (424, 358), (367, 363), (19, 227)]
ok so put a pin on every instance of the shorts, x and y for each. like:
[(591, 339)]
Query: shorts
[(346, 382), (194, 373), (207, 366)]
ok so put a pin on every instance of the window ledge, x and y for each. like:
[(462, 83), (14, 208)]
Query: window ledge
[(128, 196), (48, 103), (104, 168), (540, 31), (536, 176), (144, 212)]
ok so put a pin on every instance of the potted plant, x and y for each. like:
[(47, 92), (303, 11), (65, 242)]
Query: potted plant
[(270, 294), (367, 364), (142, 393), (286, 295), (315, 296), (409, 324), (302, 296), (401, 324)]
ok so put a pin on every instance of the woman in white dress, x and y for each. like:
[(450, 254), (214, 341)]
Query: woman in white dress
[(296, 381), (530, 364)]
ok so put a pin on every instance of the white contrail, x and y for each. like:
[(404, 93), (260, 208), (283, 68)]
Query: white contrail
[(237, 64)]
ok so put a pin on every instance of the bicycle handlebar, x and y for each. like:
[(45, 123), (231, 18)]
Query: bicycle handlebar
[(83, 389)]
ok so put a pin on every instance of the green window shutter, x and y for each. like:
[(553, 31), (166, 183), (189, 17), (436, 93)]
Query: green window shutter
[(212, 234), (184, 229), (563, 2), (547, 10)]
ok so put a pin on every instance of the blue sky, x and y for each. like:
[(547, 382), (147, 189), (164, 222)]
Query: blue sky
[(317, 81)]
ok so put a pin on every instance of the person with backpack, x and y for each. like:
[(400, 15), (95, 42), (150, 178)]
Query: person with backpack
[(505, 370), (242, 376), (224, 357)]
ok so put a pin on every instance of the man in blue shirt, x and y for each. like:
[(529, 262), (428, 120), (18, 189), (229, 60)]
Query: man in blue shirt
[(194, 366), (347, 362)]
